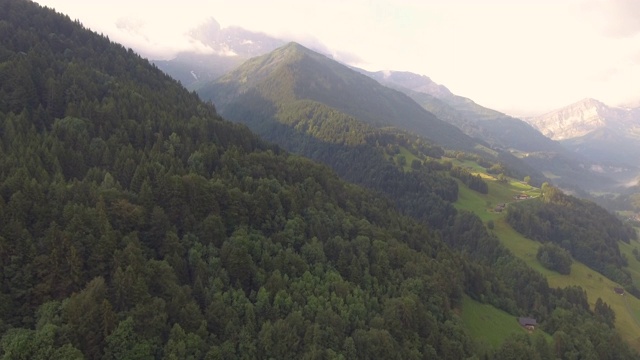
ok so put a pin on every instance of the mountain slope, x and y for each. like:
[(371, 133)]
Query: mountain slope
[(314, 106), (294, 72), (264, 97), (136, 223), (563, 166), (593, 129)]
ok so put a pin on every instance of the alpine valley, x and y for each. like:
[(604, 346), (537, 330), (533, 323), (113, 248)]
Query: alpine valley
[(541, 156), (338, 215)]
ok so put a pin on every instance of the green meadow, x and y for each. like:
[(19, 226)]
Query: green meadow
[(491, 326), (626, 307), (408, 158)]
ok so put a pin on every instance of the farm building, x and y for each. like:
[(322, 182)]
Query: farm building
[(528, 323)]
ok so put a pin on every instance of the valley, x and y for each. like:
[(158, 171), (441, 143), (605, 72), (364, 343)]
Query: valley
[(288, 62)]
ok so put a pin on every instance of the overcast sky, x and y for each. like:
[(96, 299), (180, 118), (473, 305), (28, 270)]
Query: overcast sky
[(523, 57)]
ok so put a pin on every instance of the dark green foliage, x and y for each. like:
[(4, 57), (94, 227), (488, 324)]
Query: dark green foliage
[(575, 333), (141, 225), (604, 311), (555, 258), (355, 151), (135, 223), (474, 182), (523, 346)]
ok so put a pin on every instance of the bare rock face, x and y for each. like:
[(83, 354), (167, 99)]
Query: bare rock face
[(585, 117), (609, 135)]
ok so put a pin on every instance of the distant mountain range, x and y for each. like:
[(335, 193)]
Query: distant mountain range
[(269, 92), (610, 135), (294, 72), (563, 165), (492, 126)]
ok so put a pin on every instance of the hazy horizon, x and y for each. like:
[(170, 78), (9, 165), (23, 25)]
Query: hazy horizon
[(522, 58)]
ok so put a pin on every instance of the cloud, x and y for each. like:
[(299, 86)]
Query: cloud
[(616, 18), (514, 56), (129, 24), (151, 42), (157, 30)]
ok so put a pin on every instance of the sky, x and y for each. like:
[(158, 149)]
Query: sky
[(521, 57)]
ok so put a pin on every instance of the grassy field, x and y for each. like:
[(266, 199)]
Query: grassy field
[(478, 318), (499, 193), (627, 307), (409, 157)]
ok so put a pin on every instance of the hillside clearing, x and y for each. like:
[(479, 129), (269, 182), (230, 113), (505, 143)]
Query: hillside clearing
[(489, 325), (626, 307)]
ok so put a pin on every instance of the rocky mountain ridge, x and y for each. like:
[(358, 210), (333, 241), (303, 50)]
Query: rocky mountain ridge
[(593, 129), (584, 117)]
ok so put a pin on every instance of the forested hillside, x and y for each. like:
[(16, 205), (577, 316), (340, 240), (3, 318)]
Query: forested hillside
[(293, 72), (356, 151), (587, 231), (536, 151), (269, 94), (316, 107), (136, 223)]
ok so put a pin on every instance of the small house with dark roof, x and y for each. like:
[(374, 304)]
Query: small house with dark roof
[(528, 323), (619, 291)]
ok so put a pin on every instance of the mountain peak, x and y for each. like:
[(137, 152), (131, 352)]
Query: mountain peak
[(293, 51), (589, 102), (293, 46), (571, 121), (582, 118), (294, 72)]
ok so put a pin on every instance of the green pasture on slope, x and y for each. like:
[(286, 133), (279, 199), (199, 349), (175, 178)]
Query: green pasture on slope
[(626, 307), (408, 156), (467, 164), (488, 325), (499, 193)]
